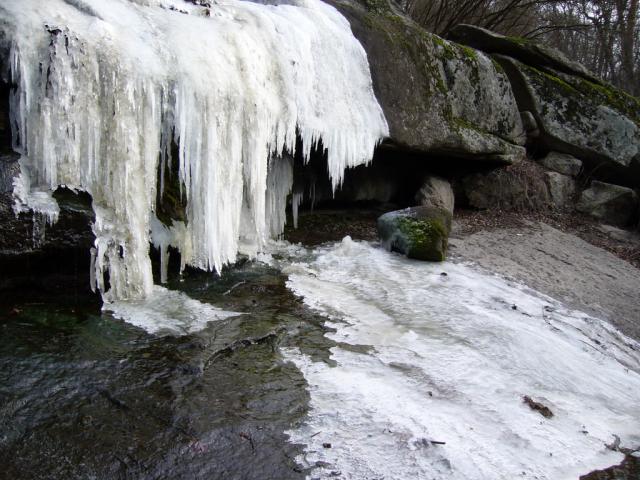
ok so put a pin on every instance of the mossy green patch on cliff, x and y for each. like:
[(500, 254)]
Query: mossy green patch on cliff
[(448, 52), (452, 50), (561, 100), (469, 52), (578, 89), (497, 66), (405, 41), (555, 79), (613, 97), (426, 238)]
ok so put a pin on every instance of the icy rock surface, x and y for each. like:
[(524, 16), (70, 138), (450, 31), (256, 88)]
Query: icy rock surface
[(423, 357), (105, 87), (168, 312)]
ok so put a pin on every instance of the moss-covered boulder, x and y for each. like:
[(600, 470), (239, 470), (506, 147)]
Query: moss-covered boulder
[(438, 97), (576, 113), (596, 123), (418, 232), (522, 49)]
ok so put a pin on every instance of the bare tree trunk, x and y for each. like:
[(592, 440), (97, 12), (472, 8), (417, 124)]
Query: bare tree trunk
[(629, 20)]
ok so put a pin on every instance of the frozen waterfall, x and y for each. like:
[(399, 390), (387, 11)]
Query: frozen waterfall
[(105, 86)]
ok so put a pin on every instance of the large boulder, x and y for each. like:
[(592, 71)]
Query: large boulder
[(436, 192), (595, 123), (438, 97), (576, 112), (609, 203), (418, 232)]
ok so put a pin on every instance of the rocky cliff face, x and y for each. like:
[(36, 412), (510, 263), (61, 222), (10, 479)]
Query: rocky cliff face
[(439, 97)]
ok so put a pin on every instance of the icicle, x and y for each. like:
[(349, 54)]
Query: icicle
[(92, 269), (296, 201), (101, 97), (279, 183), (164, 263), (26, 199)]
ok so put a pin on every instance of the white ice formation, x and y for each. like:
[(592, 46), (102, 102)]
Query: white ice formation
[(105, 86), (422, 357)]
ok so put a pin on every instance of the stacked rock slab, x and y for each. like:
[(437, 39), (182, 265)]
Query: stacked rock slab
[(576, 113)]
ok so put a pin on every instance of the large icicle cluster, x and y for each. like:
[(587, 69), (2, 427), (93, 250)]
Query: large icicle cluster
[(105, 86)]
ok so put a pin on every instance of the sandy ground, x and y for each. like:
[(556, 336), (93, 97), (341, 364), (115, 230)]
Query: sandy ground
[(560, 265)]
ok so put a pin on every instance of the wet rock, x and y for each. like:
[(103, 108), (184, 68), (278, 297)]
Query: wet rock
[(562, 189), (29, 233), (9, 169), (436, 192), (562, 163), (438, 97), (51, 257), (418, 232), (609, 203)]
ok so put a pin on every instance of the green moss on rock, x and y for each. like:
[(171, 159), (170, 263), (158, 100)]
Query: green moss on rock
[(611, 96), (518, 40), (427, 239), (577, 88), (419, 232)]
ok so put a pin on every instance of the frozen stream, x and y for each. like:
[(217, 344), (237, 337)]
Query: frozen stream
[(236, 378), (443, 352)]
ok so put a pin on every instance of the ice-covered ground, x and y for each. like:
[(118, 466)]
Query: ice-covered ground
[(422, 356), (105, 86)]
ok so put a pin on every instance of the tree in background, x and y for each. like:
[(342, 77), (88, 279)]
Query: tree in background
[(604, 35)]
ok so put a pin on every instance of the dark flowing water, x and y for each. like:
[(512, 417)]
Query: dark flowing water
[(85, 395)]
